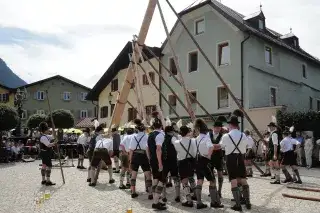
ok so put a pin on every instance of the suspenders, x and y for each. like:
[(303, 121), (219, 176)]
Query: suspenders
[(138, 147), (187, 150), (198, 153), (236, 145)]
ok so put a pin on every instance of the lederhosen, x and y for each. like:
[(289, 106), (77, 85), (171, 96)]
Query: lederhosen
[(288, 158), (217, 155), (116, 143), (204, 167), (235, 162), (46, 153), (169, 158), (186, 166), (139, 157), (100, 153), (156, 174), (270, 152), (92, 145), (249, 154)]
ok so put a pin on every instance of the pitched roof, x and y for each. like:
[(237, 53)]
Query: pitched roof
[(5, 87), (85, 123), (57, 77), (238, 20), (121, 62)]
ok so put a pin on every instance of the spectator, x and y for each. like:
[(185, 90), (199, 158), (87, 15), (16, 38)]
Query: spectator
[(308, 147)]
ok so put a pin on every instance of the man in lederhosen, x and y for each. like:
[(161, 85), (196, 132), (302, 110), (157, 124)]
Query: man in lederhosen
[(186, 151), (116, 143), (236, 143), (170, 163), (138, 157), (102, 152), (82, 141), (217, 155), (249, 155), (155, 141), (273, 152), (204, 167), (46, 153)]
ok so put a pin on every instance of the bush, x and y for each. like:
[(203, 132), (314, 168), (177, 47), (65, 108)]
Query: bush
[(35, 120), (62, 119), (8, 117)]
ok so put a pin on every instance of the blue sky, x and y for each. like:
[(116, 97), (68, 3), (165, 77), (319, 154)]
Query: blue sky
[(80, 39)]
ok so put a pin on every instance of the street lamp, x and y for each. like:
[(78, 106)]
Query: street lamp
[(18, 102), (110, 98)]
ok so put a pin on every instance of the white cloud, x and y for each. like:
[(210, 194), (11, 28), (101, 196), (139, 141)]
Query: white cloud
[(93, 32)]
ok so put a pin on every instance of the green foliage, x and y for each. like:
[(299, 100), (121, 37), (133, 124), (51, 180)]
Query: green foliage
[(35, 120), (8, 117), (62, 119)]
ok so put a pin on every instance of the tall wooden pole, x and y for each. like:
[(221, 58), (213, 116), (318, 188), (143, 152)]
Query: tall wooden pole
[(122, 98)]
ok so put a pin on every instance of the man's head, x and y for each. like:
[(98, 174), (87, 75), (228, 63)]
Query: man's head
[(247, 132), (114, 131), (99, 129), (217, 126), (44, 128), (272, 126), (86, 131), (185, 131), (233, 122)]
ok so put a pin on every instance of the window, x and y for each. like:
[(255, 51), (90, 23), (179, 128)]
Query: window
[(172, 66), (83, 96), (24, 114), (199, 26), (40, 95), (83, 113), (150, 109), (193, 100), (104, 112), (273, 96), (193, 61), (295, 42), (132, 114), (4, 97), (268, 55), (112, 109), (261, 25), (173, 103), (310, 103), (114, 85), (223, 97), (304, 71), (318, 105), (224, 54), (145, 79), (40, 112), (67, 96)]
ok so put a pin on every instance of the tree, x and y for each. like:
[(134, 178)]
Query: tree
[(8, 117), (62, 119), (35, 120)]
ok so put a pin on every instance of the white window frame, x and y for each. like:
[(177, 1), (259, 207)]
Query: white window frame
[(196, 91), (306, 69), (217, 59), (270, 98), (188, 62), (229, 100), (39, 95), (2, 97), (83, 111), (83, 96), (25, 113), (40, 112), (261, 24), (66, 96), (267, 63), (195, 25), (169, 108), (169, 64)]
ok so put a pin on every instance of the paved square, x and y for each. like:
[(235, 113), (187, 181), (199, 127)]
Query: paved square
[(20, 186)]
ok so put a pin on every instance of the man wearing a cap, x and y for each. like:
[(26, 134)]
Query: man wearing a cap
[(236, 144), (81, 143), (273, 152)]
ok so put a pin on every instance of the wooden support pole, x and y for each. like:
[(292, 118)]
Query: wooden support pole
[(186, 92), (304, 188), (119, 108), (301, 197)]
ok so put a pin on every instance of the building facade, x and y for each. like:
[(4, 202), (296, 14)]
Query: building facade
[(6, 95), (63, 94), (265, 70), (106, 91)]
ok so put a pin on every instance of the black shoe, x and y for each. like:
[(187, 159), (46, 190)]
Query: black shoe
[(287, 181), (248, 206), (265, 175), (122, 187), (187, 204), (242, 201), (92, 184), (216, 205), (158, 206), (237, 208), (193, 197), (128, 185), (201, 206), (298, 182), (150, 197), (249, 175), (275, 182), (112, 181), (273, 178), (209, 195), (49, 183), (134, 195), (164, 199), (168, 185), (82, 167), (89, 180), (117, 171), (43, 182), (177, 199), (78, 167)]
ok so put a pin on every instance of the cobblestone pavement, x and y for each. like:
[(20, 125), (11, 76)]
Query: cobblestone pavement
[(20, 185)]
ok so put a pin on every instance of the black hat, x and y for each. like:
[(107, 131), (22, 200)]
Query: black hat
[(217, 124), (43, 126), (233, 120), (87, 130), (168, 129), (272, 124), (113, 129)]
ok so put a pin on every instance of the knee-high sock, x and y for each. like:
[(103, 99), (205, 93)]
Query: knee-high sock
[(176, 181), (186, 190), (89, 169), (122, 174), (43, 174), (93, 175), (116, 162), (267, 169), (110, 171), (277, 174), (215, 198), (128, 176), (198, 193), (220, 183), (133, 185), (48, 174), (192, 183), (297, 174), (246, 193), (294, 176), (79, 160), (149, 186), (158, 191), (236, 195), (286, 174)]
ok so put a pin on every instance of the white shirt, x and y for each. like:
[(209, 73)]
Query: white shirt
[(125, 142), (105, 143), (203, 143), (274, 137), (250, 142), (45, 139), (159, 138), (83, 139), (15, 149), (286, 144), (228, 144), (143, 142), (181, 152)]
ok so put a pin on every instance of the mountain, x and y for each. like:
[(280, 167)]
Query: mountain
[(8, 78)]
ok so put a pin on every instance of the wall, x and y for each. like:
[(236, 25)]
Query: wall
[(149, 93), (11, 97)]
